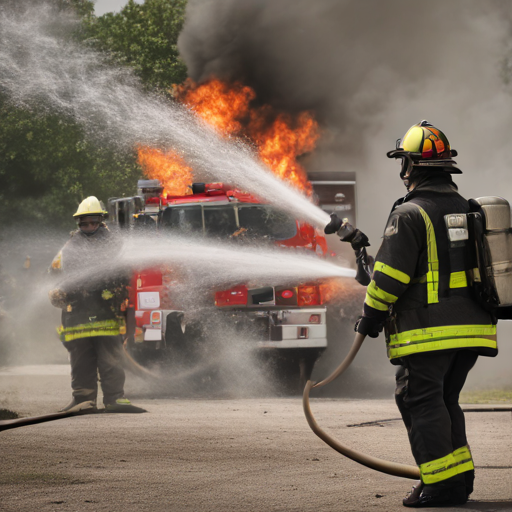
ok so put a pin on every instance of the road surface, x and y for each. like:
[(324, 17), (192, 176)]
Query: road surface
[(218, 455)]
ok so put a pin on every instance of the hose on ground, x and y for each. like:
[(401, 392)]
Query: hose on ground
[(34, 420), (384, 466)]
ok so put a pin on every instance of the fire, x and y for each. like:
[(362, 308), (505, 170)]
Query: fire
[(220, 104), (279, 138), (337, 291), (174, 175)]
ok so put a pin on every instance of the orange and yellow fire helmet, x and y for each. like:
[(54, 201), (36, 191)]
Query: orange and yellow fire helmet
[(425, 146)]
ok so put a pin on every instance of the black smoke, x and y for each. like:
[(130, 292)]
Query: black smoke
[(369, 70)]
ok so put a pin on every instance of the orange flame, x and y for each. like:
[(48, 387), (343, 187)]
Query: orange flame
[(337, 291), (220, 104), (174, 175), (278, 137)]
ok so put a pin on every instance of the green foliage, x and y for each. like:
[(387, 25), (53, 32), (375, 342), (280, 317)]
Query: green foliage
[(84, 8), (144, 36), (47, 167), (47, 164)]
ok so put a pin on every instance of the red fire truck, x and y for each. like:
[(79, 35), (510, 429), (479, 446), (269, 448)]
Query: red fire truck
[(287, 323)]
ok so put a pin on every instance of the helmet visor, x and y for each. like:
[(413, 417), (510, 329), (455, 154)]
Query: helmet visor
[(90, 223)]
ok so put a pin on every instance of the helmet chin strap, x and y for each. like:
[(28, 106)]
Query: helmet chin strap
[(406, 170)]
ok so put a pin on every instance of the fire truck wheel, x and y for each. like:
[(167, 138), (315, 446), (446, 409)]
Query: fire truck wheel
[(181, 345), (292, 370)]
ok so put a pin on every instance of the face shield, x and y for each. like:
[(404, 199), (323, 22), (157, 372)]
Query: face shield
[(90, 224)]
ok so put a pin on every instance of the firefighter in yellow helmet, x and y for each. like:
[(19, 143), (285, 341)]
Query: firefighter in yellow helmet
[(435, 330), (93, 302)]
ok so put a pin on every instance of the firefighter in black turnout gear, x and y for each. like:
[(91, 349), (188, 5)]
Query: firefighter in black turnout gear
[(435, 330), (93, 311)]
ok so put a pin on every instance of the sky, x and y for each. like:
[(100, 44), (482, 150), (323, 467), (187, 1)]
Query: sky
[(103, 6)]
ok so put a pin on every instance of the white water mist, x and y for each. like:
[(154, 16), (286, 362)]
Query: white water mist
[(212, 263), (40, 66)]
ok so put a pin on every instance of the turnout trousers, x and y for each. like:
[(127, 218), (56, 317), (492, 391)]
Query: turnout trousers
[(427, 395), (92, 356)]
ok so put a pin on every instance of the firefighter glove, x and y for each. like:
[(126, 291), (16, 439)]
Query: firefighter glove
[(58, 298), (358, 240), (368, 326), (347, 232)]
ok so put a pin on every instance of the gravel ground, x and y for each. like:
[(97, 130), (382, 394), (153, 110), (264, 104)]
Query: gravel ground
[(254, 454)]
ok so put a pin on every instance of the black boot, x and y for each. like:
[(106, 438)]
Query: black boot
[(413, 496), (443, 494), (470, 478)]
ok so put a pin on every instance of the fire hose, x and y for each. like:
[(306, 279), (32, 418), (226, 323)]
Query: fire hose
[(34, 420), (384, 466)]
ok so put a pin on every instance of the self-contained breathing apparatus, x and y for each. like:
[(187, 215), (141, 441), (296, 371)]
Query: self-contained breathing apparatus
[(489, 246), (480, 241)]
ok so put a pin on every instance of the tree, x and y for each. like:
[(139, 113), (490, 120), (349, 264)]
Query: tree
[(47, 166), (144, 36), (47, 163)]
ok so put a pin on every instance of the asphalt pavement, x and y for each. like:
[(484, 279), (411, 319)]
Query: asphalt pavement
[(223, 454)]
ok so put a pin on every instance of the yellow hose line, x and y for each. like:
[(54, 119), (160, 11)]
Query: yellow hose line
[(384, 466)]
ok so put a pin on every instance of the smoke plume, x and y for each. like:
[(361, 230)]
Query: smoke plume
[(368, 71)]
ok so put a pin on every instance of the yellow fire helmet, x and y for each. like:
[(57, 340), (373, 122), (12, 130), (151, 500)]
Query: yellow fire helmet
[(90, 206), (426, 146)]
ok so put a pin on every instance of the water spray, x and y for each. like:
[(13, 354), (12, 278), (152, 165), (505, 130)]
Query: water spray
[(39, 66), (211, 263)]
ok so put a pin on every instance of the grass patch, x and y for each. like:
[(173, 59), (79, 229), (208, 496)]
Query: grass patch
[(6, 414), (487, 396)]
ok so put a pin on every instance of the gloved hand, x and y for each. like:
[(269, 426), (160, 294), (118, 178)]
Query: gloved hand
[(58, 298), (368, 326), (347, 232), (357, 240), (334, 225)]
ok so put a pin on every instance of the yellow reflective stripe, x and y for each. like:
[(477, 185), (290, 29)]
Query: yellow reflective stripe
[(446, 467), (378, 298), (101, 328), (441, 338), (91, 325), (375, 304), (438, 470), (392, 272), (458, 279), (463, 459), (89, 334), (433, 261), (417, 335), (380, 294)]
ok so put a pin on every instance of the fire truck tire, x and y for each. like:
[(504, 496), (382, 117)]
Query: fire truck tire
[(293, 368), (145, 354), (182, 345)]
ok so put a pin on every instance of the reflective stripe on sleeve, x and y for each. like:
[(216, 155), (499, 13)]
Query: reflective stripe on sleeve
[(441, 338), (392, 272), (377, 298), (443, 468)]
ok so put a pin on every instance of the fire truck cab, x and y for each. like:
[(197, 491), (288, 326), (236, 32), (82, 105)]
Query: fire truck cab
[(287, 322)]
